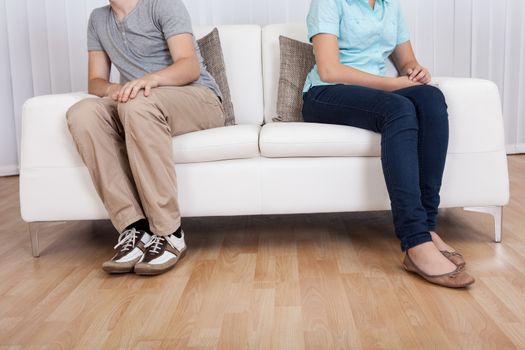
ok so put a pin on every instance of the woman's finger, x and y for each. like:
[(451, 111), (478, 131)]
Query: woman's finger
[(421, 75), (415, 72)]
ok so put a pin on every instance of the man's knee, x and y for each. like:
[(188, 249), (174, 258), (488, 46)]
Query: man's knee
[(85, 115), (136, 110), (136, 104)]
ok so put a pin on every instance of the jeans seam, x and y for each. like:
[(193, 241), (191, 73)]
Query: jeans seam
[(421, 135)]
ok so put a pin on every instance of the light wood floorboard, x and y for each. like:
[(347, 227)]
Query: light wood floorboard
[(327, 281)]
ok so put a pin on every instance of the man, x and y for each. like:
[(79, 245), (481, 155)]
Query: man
[(125, 137)]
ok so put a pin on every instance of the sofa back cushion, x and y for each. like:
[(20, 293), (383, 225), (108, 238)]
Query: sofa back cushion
[(297, 60), (241, 47), (272, 61), (211, 51)]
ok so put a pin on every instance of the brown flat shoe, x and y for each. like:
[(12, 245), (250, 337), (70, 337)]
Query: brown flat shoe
[(455, 279), (455, 257)]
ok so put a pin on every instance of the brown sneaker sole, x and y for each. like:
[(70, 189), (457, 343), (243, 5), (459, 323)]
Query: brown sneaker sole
[(145, 269), (113, 267)]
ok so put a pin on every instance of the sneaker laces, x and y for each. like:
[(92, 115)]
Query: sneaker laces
[(156, 243), (127, 239)]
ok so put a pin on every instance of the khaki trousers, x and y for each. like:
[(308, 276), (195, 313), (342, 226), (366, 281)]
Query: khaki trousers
[(127, 148)]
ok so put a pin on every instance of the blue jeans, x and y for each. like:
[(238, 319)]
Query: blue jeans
[(413, 123)]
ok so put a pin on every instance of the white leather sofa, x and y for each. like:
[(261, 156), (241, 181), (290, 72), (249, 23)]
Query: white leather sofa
[(260, 167)]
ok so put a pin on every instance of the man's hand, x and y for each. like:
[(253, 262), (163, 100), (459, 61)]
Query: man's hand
[(184, 70), (419, 74), (131, 89), (112, 91)]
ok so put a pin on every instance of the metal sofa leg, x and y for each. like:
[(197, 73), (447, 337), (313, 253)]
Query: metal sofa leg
[(33, 234), (497, 213)]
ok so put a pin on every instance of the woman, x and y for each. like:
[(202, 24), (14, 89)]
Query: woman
[(352, 40)]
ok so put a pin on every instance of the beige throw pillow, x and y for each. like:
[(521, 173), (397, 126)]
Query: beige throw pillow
[(297, 60), (211, 51)]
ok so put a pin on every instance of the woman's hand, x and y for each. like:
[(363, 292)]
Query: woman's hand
[(406, 63), (401, 83), (131, 89), (419, 74)]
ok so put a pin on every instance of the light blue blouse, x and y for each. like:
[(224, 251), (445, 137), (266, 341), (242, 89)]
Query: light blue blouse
[(366, 36)]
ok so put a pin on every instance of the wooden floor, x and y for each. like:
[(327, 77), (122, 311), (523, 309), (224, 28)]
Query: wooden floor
[(273, 282)]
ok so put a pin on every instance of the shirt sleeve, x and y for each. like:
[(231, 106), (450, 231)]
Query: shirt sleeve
[(173, 18), (402, 33), (93, 41), (323, 17)]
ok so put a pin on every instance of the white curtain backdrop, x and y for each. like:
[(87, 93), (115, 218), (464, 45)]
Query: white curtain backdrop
[(43, 48)]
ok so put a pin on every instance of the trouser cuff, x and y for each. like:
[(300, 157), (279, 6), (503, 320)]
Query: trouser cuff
[(165, 230), (416, 240), (121, 225)]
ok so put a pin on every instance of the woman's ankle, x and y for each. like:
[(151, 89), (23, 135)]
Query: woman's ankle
[(429, 259), (440, 243)]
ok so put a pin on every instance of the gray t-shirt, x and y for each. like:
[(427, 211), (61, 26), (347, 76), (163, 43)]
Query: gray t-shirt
[(138, 45)]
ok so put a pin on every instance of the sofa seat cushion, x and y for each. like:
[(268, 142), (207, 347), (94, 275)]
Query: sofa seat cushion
[(229, 142), (286, 140)]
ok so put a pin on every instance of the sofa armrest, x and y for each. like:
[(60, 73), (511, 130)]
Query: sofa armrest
[(46, 142), (475, 115)]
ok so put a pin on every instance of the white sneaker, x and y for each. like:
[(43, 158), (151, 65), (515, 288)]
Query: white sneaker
[(161, 254), (130, 250)]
